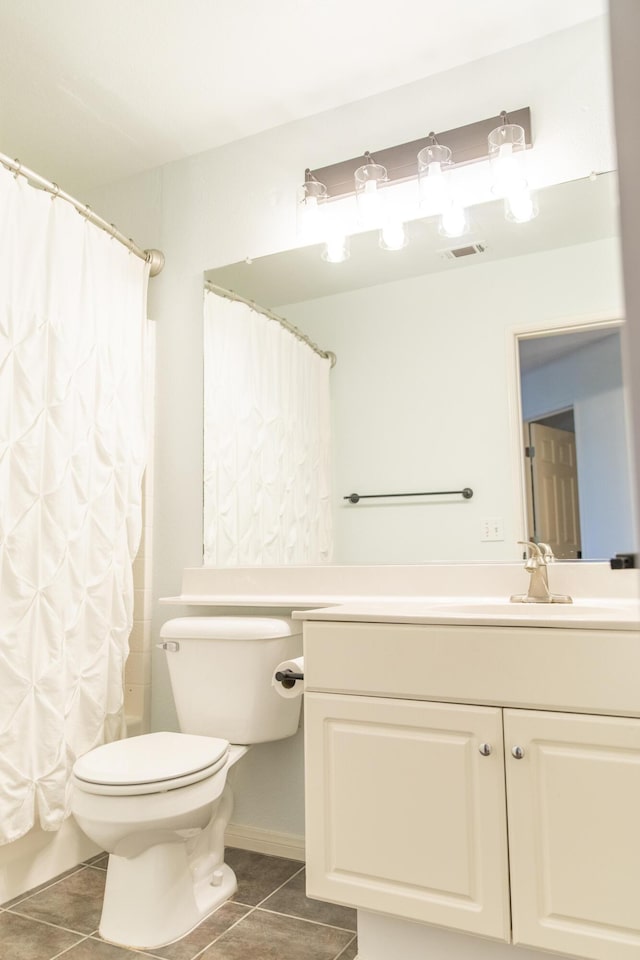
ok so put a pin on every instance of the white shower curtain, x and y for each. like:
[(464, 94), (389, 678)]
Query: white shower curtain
[(266, 441), (72, 454)]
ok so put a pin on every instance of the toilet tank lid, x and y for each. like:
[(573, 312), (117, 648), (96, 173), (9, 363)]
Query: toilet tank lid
[(230, 628)]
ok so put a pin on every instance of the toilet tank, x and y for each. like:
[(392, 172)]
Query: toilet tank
[(221, 670)]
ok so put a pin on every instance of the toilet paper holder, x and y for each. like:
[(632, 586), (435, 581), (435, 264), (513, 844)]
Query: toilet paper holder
[(288, 678)]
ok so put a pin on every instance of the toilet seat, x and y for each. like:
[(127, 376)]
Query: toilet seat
[(151, 763)]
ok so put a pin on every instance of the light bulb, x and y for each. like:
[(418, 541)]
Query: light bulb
[(433, 162), (393, 236), (508, 175), (309, 218), (369, 203), (520, 206), (336, 249), (434, 193), (368, 197), (311, 211), (506, 155), (453, 222)]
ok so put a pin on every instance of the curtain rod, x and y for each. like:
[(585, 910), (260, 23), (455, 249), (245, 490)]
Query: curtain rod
[(155, 258), (230, 295)]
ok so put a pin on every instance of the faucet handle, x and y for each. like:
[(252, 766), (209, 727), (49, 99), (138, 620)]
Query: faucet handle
[(536, 552), (547, 552)]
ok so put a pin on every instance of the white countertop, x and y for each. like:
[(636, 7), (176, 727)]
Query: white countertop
[(592, 614), (427, 593)]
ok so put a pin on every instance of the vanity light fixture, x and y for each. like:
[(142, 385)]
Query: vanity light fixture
[(431, 161), (507, 144)]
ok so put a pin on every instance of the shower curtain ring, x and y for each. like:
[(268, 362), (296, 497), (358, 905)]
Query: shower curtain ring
[(18, 170), (87, 211), (55, 193)]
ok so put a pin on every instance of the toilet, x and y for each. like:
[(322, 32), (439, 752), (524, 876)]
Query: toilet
[(159, 803)]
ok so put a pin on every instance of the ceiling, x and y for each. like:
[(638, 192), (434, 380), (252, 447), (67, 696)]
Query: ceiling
[(536, 352), (95, 91)]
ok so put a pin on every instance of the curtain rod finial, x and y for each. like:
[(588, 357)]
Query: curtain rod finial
[(155, 259)]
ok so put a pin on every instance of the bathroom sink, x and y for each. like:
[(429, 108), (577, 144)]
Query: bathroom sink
[(596, 613), (597, 609)]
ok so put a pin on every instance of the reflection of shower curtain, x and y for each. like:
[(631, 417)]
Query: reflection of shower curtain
[(266, 446), (72, 450)]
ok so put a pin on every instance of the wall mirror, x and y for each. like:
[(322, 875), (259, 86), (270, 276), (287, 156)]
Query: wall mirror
[(425, 394)]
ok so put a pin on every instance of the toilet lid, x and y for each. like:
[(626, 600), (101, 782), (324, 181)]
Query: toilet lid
[(150, 758)]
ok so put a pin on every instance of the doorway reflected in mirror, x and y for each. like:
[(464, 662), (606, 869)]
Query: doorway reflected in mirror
[(576, 467)]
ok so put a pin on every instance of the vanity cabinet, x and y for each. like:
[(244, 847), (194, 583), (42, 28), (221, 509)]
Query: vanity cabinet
[(446, 783)]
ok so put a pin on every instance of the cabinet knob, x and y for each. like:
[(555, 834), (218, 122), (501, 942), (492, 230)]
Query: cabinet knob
[(517, 752), (485, 749)]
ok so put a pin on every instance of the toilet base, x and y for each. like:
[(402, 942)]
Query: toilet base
[(160, 895)]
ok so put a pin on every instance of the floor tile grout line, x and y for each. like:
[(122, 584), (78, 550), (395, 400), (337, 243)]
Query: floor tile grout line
[(224, 932), (346, 947), (66, 949), (295, 916), (45, 886), (48, 923), (288, 880)]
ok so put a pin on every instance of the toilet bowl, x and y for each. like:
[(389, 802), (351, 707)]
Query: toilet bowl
[(159, 803)]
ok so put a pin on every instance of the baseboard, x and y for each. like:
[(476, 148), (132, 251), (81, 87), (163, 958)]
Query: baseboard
[(288, 845)]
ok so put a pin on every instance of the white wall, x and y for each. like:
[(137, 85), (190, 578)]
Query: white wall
[(238, 201)]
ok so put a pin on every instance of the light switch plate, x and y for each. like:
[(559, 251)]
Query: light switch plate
[(492, 528)]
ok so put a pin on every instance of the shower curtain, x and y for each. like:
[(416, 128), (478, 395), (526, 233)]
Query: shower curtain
[(266, 441), (72, 454)]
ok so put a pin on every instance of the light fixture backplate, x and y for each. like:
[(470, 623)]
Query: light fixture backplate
[(468, 144)]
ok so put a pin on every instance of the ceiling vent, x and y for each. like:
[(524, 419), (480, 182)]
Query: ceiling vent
[(468, 251)]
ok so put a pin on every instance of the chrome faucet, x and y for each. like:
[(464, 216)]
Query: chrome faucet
[(541, 555)]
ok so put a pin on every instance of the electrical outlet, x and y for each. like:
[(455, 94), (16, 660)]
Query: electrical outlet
[(491, 528)]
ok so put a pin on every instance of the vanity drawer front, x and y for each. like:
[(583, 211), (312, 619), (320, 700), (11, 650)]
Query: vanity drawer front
[(581, 671)]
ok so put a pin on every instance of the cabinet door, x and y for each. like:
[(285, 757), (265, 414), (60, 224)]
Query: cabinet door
[(574, 833), (405, 815)]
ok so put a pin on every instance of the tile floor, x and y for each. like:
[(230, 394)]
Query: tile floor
[(269, 918)]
